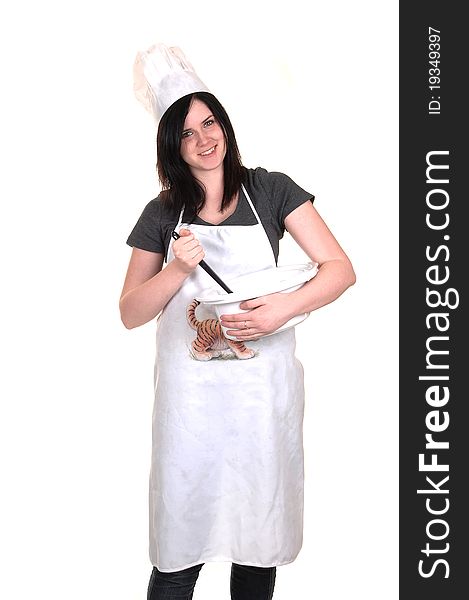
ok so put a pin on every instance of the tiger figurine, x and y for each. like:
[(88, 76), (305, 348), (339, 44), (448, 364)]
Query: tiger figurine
[(211, 341)]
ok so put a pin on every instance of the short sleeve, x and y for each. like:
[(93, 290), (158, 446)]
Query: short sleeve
[(147, 232), (285, 195)]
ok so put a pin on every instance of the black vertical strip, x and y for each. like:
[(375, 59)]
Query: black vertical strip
[(433, 302)]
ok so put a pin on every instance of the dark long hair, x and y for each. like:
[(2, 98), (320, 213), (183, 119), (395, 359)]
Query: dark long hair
[(180, 187)]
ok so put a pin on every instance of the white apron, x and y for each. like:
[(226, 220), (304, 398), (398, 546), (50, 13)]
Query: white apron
[(226, 481)]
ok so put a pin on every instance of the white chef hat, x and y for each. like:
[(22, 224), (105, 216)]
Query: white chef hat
[(162, 75)]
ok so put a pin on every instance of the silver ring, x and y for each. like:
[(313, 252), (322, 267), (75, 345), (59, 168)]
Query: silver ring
[(245, 325)]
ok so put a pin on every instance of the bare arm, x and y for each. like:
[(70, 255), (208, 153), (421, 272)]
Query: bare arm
[(335, 273), (334, 276), (148, 286)]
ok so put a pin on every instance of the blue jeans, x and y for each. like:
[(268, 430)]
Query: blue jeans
[(246, 583)]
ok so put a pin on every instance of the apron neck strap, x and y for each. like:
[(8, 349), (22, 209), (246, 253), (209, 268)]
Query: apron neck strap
[(251, 205), (247, 198)]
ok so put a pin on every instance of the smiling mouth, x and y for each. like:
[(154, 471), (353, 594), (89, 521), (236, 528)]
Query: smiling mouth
[(208, 152)]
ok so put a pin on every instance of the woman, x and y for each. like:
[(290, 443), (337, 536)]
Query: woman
[(226, 480)]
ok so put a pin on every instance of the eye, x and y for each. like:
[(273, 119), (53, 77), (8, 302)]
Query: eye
[(209, 122), (187, 133)]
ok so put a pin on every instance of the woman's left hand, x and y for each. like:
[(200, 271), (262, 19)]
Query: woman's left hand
[(264, 315)]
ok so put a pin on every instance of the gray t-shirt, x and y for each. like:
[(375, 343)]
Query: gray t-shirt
[(274, 196)]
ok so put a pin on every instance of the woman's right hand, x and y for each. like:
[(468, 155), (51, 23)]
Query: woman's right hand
[(148, 287), (187, 251)]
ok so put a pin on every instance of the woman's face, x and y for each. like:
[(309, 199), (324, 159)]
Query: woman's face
[(203, 145)]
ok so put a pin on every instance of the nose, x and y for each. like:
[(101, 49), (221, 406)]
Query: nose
[(202, 137)]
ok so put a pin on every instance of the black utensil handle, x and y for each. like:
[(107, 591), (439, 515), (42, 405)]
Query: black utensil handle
[(207, 269)]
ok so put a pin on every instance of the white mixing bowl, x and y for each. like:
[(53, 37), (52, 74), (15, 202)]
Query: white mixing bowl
[(268, 281)]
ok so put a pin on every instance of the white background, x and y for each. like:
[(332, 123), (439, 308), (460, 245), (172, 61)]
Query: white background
[(311, 88)]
